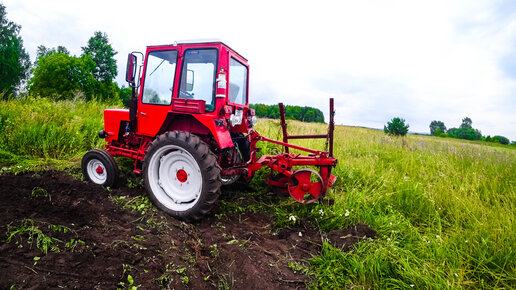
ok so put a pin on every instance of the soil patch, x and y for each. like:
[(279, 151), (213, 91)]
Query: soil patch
[(98, 244)]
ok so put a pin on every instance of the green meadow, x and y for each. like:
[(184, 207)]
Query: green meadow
[(444, 209)]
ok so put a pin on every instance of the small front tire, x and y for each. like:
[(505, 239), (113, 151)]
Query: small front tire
[(99, 167)]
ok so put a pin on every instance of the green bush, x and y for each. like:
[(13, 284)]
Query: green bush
[(501, 139), (396, 127)]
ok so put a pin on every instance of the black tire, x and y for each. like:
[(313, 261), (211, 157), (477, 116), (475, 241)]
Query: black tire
[(98, 166), (192, 175)]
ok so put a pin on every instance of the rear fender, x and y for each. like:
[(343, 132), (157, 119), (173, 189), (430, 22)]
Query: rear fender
[(199, 125)]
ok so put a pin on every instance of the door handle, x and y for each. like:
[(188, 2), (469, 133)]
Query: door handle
[(142, 113)]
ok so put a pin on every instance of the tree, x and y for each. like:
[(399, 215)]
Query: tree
[(44, 51), (501, 139), (14, 60), (396, 127), (60, 76), (434, 125), (468, 133), (452, 132), (465, 131), (466, 123), (103, 55)]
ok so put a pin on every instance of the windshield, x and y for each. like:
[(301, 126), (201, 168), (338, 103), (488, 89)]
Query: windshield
[(198, 76)]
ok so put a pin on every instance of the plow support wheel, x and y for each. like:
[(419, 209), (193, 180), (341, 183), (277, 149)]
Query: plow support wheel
[(305, 186)]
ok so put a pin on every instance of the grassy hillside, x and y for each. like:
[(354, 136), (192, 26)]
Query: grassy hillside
[(444, 209)]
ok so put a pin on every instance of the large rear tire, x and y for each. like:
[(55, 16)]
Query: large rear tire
[(98, 166), (182, 175)]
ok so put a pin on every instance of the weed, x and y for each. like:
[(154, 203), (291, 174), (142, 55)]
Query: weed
[(34, 235), (30, 230), (72, 244), (39, 192), (189, 257), (130, 284), (214, 251), (297, 267), (185, 280), (167, 277), (142, 205), (139, 238)]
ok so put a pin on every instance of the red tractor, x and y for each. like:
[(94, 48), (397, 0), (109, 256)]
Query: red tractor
[(190, 131)]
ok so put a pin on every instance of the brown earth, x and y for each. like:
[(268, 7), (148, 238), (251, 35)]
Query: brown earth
[(100, 243)]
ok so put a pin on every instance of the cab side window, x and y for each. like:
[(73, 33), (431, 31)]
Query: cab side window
[(159, 77), (237, 90)]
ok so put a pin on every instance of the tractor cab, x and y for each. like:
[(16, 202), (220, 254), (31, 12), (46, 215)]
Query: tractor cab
[(202, 86)]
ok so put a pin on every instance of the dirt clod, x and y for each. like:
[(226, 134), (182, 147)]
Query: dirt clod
[(346, 238)]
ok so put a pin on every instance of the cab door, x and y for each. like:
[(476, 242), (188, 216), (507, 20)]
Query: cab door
[(158, 87)]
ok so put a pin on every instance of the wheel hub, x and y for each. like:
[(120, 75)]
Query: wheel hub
[(175, 177), (96, 171), (99, 170), (181, 175)]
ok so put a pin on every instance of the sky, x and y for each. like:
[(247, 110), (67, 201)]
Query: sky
[(418, 60)]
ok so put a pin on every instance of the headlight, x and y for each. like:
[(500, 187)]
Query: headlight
[(253, 121), (236, 118)]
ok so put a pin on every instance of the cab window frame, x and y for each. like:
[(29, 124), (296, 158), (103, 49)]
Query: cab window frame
[(173, 79)]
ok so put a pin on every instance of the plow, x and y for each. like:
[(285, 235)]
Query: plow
[(189, 130)]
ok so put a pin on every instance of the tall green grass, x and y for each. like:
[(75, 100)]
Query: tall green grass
[(46, 131), (444, 208)]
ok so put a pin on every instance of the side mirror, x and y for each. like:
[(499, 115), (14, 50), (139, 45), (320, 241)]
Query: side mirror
[(130, 73), (189, 80)]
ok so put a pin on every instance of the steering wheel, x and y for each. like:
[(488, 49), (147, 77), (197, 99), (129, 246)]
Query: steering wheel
[(186, 95)]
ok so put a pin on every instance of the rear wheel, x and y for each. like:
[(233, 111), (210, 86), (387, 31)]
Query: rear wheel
[(182, 175), (98, 166)]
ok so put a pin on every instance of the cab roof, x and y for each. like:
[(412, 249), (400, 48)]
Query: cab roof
[(200, 41)]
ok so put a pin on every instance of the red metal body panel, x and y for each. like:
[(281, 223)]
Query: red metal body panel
[(188, 106), (221, 134), (112, 120)]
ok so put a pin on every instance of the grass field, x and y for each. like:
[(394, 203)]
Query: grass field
[(444, 208)]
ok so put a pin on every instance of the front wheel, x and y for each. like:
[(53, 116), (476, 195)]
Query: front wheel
[(182, 175), (98, 166)]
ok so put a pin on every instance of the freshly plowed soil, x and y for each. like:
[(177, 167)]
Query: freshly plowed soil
[(99, 244)]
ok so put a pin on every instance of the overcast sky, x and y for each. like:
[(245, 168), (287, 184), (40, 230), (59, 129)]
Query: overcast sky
[(419, 60)]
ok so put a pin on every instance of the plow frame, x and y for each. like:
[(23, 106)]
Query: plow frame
[(283, 164)]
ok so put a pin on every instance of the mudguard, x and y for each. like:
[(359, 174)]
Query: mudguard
[(199, 125)]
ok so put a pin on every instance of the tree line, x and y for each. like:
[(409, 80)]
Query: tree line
[(397, 127), (304, 114), (56, 73), (465, 131)]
